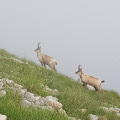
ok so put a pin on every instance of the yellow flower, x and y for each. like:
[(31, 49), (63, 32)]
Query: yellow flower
[(112, 98)]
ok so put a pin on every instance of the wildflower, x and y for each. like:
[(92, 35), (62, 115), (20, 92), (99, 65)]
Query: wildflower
[(112, 98)]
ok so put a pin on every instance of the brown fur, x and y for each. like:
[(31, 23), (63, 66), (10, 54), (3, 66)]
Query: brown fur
[(45, 59), (89, 80)]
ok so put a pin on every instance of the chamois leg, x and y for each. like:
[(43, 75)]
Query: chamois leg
[(41, 63), (44, 65), (54, 68), (85, 85), (96, 89)]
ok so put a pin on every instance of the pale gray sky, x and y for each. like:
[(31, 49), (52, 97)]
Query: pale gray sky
[(85, 32)]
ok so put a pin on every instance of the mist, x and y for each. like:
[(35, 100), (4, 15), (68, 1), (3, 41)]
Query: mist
[(73, 32)]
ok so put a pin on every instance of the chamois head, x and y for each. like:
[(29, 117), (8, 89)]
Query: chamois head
[(38, 48), (79, 70)]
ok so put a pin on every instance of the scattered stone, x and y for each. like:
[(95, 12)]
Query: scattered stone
[(51, 90), (41, 85), (47, 89), (17, 86), (71, 118), (111, 109), (2, 93), (3, 117), (1, 84), (84, 110), (52, 101), (16, 60), (9, 81), (93, 117)]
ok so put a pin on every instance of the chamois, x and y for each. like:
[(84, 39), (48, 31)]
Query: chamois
[(89, 80), (45, 59)]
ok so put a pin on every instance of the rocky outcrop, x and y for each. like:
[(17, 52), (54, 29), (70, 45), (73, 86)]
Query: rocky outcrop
[(48, 102), (30, 99)]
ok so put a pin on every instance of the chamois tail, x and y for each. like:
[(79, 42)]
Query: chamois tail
[(102, 81)]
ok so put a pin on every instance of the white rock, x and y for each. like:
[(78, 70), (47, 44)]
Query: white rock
[(118, 114), (25, 102), (42, 101), (37, 98), (41, 85), (1, 84), (9, 81), (51, 90), (17, 86), (48, 89), (16, 60), (71, 118), (52, 101), (48, 108), (36, 103), (51, 97), (22, 92), (105, 108), (116, 110), (30, 96), (2, 93), (3, 117), (63, 112), (93, 117), (55, 91), (83, 110)]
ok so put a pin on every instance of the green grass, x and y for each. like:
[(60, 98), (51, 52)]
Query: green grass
[(72, 95), (10, 106)]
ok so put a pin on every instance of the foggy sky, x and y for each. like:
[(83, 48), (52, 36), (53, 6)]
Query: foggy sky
[(85, 32)]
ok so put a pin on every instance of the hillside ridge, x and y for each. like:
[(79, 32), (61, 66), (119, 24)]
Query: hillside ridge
[(78, 102)]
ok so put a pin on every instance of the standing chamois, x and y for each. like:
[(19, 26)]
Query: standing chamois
[(45, 59), (89, 80)]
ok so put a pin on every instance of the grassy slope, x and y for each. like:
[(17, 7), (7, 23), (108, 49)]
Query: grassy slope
[(72, 95)]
